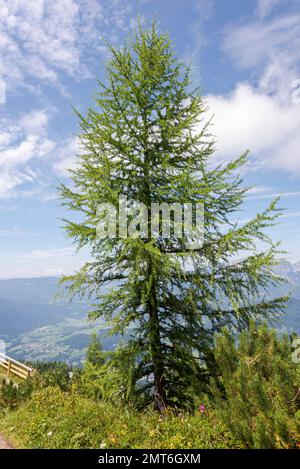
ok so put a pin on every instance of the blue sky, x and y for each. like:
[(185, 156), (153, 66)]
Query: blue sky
[(246, 60)]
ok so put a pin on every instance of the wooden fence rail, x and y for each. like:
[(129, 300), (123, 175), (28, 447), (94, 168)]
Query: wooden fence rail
[(13, 367)]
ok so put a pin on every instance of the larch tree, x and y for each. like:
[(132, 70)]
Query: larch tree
[(146, 139)]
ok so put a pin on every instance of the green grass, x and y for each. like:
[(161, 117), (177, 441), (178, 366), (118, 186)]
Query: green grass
[(2, 373), (53, 419)]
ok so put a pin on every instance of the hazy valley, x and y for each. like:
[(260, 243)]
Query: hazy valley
[(38, 323)]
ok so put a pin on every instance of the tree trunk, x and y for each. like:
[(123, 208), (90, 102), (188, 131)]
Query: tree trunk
[(160, 398)]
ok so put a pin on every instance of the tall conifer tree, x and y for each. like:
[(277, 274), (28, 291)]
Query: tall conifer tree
[(146, 138)]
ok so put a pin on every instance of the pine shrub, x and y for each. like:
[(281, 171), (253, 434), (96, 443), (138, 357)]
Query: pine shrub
[(257, 387)]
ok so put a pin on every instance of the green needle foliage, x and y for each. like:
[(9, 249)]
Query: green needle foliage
[(146, 138), (94, 354), (258, 388)]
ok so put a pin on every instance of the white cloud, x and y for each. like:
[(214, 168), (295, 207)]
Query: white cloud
[(29, 160), (262, 117), (66, 156), (42, 262), (295, 214), (265, 7), (35, 122), (256, 43), (41, 39), (270, 48), (38, 36), (48, 253), (293, 194), (263, 190), (21, 143), (8, 208), (248, 119), (18, 233)]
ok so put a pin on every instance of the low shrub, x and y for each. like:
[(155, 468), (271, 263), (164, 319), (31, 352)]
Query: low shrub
[(257, 388), (56, 419), (15, 391)]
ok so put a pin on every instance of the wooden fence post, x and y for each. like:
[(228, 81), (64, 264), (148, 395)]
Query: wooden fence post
[(8, 368)]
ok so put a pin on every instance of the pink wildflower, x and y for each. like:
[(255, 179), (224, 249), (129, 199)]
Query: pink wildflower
[(202, 408)]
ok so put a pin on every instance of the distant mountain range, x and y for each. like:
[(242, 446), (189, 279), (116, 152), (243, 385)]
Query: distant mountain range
[(26, 304), (37, 324), (292, 273), (19, 316), (33, 290)]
